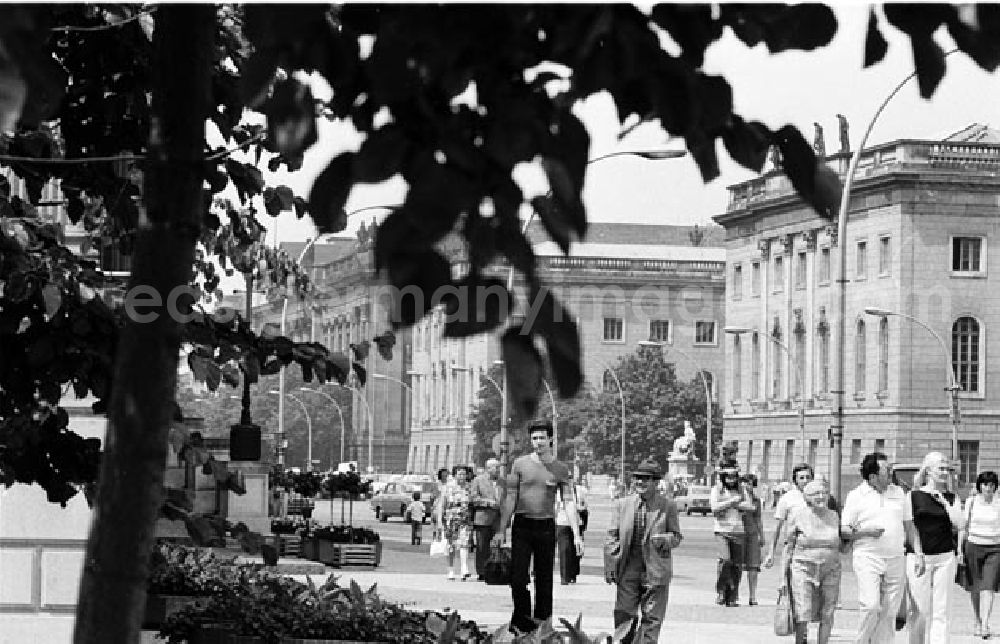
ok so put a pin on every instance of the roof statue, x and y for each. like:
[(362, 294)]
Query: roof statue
[(774, 154), (684, 444), (845, 137), (696, 235), (819, 147)]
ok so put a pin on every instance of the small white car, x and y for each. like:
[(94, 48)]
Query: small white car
[(694, 499)]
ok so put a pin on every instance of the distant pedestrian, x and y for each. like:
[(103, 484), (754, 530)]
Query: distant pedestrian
[(569, 561), (485, 491), (729, 499), (753, 531), (416, 511), (814, 563), (531, 495), (874, 518), (455, 522), (930, 564), (637, 555), (979, 548)]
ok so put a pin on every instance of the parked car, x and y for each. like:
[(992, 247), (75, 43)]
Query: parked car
[(694, 499), (393, 499)]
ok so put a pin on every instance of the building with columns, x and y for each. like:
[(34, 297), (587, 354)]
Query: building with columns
[(921, 218)]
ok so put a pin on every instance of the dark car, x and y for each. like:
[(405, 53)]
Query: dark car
[(694, 499)]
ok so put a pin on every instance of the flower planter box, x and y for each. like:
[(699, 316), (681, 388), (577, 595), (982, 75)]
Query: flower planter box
[(222, 634), (349, 554), (287, 545), (160, 607)]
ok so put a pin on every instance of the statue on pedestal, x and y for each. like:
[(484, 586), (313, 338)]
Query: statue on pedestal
[(683, 445)]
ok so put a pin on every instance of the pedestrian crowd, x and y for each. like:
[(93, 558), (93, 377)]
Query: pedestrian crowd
[(907, 548)]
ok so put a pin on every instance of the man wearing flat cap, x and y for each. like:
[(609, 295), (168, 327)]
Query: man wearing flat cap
[(637, 556)]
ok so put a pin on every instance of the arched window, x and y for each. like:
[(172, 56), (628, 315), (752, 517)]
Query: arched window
[(883, 355), (860, 358), (755, 366), (737, 368), (965, 354)]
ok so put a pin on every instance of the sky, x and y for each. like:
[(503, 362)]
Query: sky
[(793, 87)]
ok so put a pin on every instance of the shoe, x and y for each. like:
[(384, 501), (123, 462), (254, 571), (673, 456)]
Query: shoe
[(466, 576), (564, 583), (451, 576), (977, 630), (752, 602), (732, 604), (482, 578), (720, 600)]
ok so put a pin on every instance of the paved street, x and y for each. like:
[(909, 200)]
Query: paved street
[(408, 575)]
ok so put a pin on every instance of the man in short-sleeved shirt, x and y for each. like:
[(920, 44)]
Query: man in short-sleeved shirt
[(531, 500), (875, 519)]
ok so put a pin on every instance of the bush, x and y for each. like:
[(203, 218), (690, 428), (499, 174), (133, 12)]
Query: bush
[(180, 570), (346, 534)]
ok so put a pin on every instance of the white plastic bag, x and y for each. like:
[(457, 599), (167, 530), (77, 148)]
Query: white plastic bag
[(439, 547)]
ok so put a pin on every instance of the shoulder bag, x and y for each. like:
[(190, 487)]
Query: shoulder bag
[(963, 574), (784, 612)]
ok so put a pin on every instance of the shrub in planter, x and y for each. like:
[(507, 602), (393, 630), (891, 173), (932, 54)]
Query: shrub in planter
[(346, 534), (288, 525), (181, 570)]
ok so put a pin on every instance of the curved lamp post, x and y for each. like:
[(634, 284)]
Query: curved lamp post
[(340, 414), (309, 425), (952, 388), (708, 393), (368, 412), (621, 398), (284, 316), (737, 330), (649, 155), (840, 387)]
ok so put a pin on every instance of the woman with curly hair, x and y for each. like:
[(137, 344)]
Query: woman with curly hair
[(455, 519)]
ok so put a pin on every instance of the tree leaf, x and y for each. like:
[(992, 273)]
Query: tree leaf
[(291, 117), (876, 46), (815, 182), (747, 143), (476, 305), (524, 372), (418, 278), (329, 194), (549, 319)]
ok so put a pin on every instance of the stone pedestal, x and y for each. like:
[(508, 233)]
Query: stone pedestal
[(680, 466), (251, 508)]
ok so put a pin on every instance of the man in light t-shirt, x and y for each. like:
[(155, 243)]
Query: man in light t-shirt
[(874, 518)]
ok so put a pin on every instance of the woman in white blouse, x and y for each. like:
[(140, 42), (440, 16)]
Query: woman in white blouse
[(979, 548)]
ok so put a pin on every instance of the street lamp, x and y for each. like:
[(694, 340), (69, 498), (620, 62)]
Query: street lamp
[(284, 316), (737, 330), (368, 411), (952, 387), (309, 425), (649, 155), (382, 376), (840, 387), (552, 401), (340, 413), (708, 394)]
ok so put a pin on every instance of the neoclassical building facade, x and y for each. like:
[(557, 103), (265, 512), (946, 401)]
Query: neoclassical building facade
[(921, 219)]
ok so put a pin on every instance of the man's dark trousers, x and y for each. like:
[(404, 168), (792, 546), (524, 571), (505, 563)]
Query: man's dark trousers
[(531, 538), (483, 534)]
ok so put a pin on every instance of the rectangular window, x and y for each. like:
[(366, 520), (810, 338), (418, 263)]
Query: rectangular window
[(755, 278), (884, 255), (659, 330), (765, 459), (968, 459), (800, 270), (813, 448), (613, 330), (737, 281), (789, 458), (823, 386), (779, 274), (968, 255), (880, 445), (738, 369), (824, 266), (855, 450), (704, 332), (749, 454), (861, 265), (755, 367)]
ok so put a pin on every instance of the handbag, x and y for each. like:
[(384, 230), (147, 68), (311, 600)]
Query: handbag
[(784, 614), (439, 547), (497, 571), (963, 574)]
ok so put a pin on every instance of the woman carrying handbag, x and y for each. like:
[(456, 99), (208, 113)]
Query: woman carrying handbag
[(979, 549)]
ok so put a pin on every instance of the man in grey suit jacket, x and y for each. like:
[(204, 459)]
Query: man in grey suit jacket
[(485, 493), (637, 556)]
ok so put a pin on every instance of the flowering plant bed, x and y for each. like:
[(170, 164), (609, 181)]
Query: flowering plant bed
[(346, 534)]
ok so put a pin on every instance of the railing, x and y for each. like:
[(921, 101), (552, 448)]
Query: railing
[(632, 265), (952, 156)]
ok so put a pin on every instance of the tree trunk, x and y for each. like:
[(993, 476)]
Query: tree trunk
[(113, 587)]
